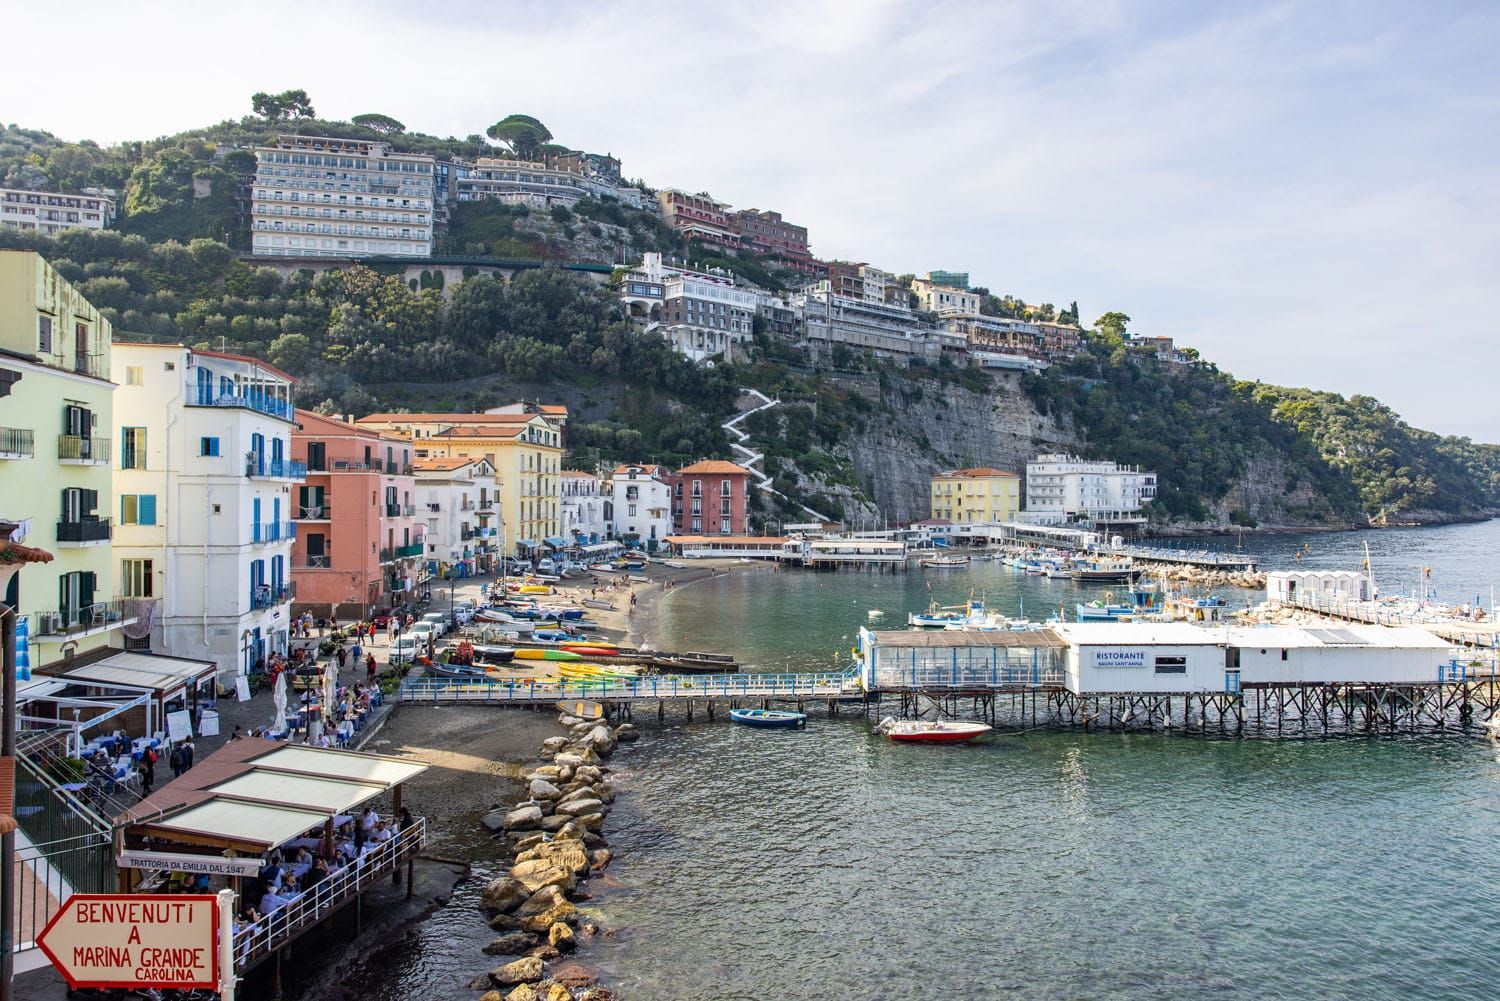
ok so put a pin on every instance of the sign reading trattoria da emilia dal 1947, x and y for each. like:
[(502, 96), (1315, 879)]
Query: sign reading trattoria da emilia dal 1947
[(1119, 658)]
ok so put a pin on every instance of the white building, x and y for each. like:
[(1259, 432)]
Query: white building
[(864, 324), (316, 196), (450, 493), (1062, 488), (702, 314), (1321, 586), (586, 511), (203, 488), (944, 300), (51, 212), (559, 180), (642, 505)]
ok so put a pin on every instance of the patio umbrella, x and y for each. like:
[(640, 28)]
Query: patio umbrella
[(278, 696), (23, 649), (330, 691)]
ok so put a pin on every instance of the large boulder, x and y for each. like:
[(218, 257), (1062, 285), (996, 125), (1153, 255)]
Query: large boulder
[(548, 772), (600, 857), (626, 733), (555, 823), (597, 994), (555, 743), (578, 807), (494, 821), (540, 901), (526, 970), (588, 774), (575, 975), (525, 992), (560, 937), (604, 791), (568, 854), (537, 873), (523, 818), (542, 789), (504, 895), (569, 759), (510, 944), (546, 908), (491, 996), (525, 842), (601, 739), (591, 821), (557, 992)]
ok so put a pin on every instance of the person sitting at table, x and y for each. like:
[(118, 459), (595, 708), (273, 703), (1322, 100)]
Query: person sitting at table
[(304, 857), (381, 833), (316, 874)]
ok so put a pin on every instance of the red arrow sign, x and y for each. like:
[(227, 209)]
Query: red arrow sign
[(135, 940)]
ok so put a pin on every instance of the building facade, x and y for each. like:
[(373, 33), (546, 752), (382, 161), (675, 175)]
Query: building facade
[(768, 233), (998, 342), (316, 196), (701, 314), (698, 217), (945, 299), (643, 505), (56, 450), (451, 492), (359, 545), (981, 495), (565, 179), (51, 212), (204, 482), (587, 510), (1064, 488), (710, 497), (864, 324)]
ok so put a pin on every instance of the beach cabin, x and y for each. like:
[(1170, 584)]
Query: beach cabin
[(1344, 654), (1160, 657), (1288, 586), (960, 659)]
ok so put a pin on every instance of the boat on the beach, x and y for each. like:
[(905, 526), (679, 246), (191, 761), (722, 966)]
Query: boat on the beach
[(456, 672), (596, 603), (769, 719), (543, 653), (582, 708), (920, 731)]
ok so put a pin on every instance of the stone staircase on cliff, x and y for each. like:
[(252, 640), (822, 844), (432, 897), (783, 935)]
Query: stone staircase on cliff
[(751, 459)]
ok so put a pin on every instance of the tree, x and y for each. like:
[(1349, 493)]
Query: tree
[(292, 352), (523, 134), (384, 124), (279, 107), (1112, 324)]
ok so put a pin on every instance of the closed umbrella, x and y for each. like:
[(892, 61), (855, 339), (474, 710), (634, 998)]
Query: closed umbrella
[(23, 649), (278, 696)]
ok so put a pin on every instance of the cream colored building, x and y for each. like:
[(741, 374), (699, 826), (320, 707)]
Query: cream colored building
[(981, 495), (942, 299), (51, 212), (57, 445)]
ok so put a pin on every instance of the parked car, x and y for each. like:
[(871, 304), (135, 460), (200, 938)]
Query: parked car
[(406, 649), (438, 620)]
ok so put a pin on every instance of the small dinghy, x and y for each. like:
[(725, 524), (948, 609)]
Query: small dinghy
[(769, 719), (931, 731)]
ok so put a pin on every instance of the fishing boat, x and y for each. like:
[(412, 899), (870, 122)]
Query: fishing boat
[(971, 612), (769, 719), (944, 562), (493, 654), (919, 731), (1106, 572)]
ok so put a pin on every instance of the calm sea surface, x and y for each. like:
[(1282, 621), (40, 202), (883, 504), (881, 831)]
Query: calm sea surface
[(830, 863)]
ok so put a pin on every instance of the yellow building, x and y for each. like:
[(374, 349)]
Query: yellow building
[(526, 451), (57, 443), (976, 496)]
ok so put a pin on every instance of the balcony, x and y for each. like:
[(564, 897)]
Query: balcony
[(97, 617), (82, 451), (83, 533), (267, 596), (320, 562), (316, 512), (345, 466), (434, 506), (258, 402), (275, 469), (17, 443), (406, 552), (272, 531), (408, 510), (393, 510)]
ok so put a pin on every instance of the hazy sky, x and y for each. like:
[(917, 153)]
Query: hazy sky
[(1305, 192)]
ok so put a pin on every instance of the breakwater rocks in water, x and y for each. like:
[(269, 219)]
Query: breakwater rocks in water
[(1250, 580), (557, 840)]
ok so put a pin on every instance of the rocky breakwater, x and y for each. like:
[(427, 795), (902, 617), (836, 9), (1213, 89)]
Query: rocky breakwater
[(556, 838)]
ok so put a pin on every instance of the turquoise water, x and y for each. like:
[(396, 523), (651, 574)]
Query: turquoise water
[(833, 864)]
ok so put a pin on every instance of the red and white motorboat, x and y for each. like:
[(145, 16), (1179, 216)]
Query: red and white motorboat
[(931, 731)]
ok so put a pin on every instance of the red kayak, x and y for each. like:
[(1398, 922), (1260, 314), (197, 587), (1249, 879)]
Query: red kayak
[(931, 732)]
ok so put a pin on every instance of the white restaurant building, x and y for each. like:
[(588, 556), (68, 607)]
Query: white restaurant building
[(1063, 488), (203, 490)]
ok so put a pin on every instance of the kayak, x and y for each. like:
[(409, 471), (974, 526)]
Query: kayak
[(590, 651), (547, 655)]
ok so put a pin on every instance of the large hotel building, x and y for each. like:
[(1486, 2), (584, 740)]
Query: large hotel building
[(316, 196)]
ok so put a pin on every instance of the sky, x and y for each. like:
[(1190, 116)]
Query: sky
[(1303, 192)]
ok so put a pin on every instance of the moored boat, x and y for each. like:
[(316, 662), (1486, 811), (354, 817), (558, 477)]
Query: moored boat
[(944, 562), (921, 731), (769, 719)]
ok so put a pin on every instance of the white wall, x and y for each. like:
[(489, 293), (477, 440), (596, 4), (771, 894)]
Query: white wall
[(1124, 668)]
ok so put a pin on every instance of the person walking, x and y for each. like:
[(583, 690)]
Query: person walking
[(370, 669), (148, 770), (188, 750), (341, 655), (175, 760)]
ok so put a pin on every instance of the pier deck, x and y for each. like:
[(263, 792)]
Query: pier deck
[(1471, 634)]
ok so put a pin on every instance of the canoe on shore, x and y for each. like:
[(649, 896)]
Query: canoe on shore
[(546, 654)]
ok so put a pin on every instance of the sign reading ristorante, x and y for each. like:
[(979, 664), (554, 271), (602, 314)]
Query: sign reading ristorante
[(130, 940)]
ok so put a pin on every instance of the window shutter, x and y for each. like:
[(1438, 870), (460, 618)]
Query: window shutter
[(87, 583), (146, 509), (89, 501)]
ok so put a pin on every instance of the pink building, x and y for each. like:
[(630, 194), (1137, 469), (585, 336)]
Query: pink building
[(359, 545), (710, 497)]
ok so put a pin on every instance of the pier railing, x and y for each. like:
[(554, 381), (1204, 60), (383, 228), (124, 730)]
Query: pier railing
[(704, 686), (1456, 630)]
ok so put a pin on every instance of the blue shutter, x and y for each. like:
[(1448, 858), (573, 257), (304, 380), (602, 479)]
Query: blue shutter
[(145, 509)]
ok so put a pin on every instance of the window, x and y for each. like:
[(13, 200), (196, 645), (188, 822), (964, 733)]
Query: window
[(133, 375), (44, 335), (208, 446), (132, 448), (137, 509), (724, 488), (1171, 665), (135, 578)]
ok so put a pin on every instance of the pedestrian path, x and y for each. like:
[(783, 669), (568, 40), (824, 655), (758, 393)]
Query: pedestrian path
[(753, 460)]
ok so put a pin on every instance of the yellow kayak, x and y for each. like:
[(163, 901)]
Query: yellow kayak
[(533, 589), (546, 655)]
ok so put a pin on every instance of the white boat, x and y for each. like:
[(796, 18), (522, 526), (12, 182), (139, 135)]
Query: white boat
[(931, 731), (944, 562)]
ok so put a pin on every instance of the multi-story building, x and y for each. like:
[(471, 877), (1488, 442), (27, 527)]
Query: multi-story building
[(768, 233), (554, 180), (586, 510), (1064, 488), (525, 449), (556, 413), (1059, 340), (643, 505), (864, 324), (949, 279), (710, 497), (698, 217), (316, 196), (998, 342), (982, 495), (205, 482), (780, 317), (51, 212), (56, 416), (701, 314), (359, 544), (451, 492), (945, 299)]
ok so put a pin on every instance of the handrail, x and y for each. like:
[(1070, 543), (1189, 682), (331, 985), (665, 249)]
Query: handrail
[(810, 685)]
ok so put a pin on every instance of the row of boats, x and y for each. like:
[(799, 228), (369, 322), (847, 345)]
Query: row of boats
[(1146, 601), (911, 731)]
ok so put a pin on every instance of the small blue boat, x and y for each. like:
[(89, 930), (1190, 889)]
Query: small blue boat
[(769, 719)]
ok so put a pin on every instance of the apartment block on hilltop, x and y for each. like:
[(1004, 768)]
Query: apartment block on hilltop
[(698, 217), (945, 299), (50, 212), (318, 196), (525, 449), (204, 481), (980, 495), (768, 233), (1063, 488), (701, 314), (359, 544), (564, 179), (864, 323), (710, 497), (56, 416)]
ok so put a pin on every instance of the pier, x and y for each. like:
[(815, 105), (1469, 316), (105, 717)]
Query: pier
[(1464, 633), (1028, 536)]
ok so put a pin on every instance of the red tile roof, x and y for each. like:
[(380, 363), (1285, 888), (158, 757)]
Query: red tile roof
[(715, 466), (977, 471)]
